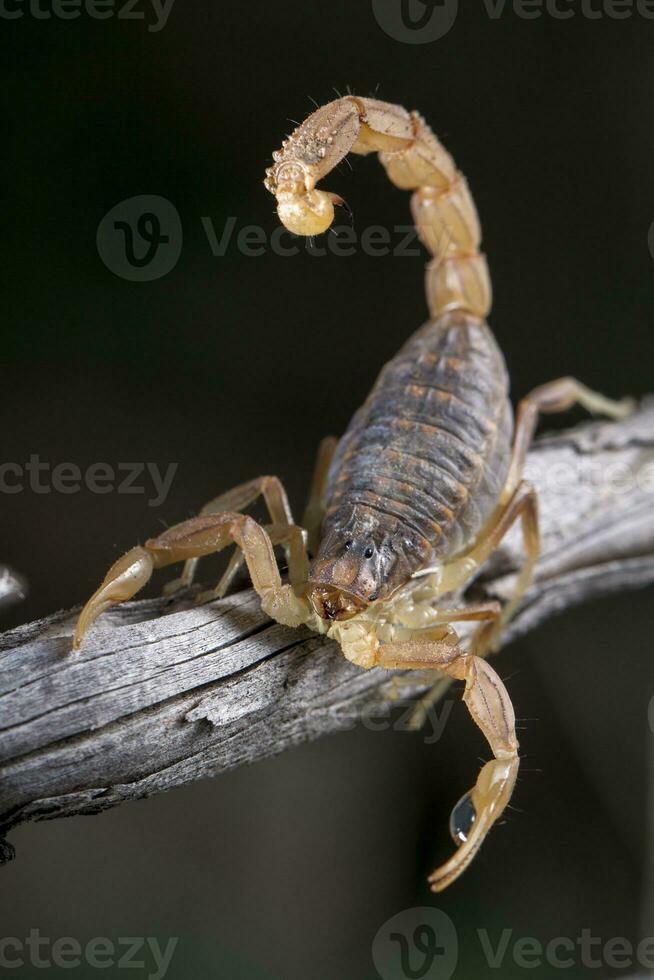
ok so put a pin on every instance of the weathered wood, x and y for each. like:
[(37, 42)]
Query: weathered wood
[(165, 692)]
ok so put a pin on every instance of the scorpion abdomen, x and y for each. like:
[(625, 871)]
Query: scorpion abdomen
[(428, 452)]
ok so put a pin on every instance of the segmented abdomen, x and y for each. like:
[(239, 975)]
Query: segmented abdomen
[(430, 446)]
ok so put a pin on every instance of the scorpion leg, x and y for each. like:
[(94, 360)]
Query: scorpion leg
[(523, 504), (292, 537), (490, 706), (199, 536), (519, 499), (314, 510), (555, 396), (237, 499)]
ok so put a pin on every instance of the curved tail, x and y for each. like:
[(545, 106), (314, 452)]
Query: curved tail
[(443, 211)]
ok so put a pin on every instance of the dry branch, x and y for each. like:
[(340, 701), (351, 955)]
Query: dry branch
[(165, 692)]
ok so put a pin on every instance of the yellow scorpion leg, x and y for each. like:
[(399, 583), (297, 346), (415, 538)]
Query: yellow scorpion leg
[(292, 537), (238, 499), (556, 396), (199, 536)]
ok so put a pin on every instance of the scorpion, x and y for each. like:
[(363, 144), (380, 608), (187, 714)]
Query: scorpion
[(408, 505)]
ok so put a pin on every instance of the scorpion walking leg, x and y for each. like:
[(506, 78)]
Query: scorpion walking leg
[(199, 536), (314, 510), (555, 396), (522, 504), (519, 499), (237, 499), (292, 537), (491, 708)]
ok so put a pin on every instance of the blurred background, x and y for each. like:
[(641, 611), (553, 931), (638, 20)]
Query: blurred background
[(232, 365)]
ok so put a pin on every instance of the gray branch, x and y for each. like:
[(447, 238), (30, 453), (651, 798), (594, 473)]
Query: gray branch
[(165, 692)]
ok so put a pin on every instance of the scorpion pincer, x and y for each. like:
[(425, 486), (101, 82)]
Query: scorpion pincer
[(426, 481)]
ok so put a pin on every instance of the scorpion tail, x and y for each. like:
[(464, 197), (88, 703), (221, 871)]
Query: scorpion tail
[(446, 220), (443, 211)]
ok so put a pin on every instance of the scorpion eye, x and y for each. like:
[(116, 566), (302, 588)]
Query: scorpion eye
[(461, 820), (373, 597), (368, 553), (347, 545)]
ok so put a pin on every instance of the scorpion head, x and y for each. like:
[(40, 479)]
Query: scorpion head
[(359, 562)]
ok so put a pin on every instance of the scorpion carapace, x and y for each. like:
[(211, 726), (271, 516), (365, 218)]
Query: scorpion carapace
[(422, 487)]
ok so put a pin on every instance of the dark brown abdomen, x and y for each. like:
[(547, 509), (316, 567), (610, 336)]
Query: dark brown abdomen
[(430, 446)]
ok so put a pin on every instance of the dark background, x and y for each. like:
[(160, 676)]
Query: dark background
[(236, 366)]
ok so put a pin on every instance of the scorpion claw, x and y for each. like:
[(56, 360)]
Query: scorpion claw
[(474, 815)]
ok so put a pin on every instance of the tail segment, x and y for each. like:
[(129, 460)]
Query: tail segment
[(443, 211)]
